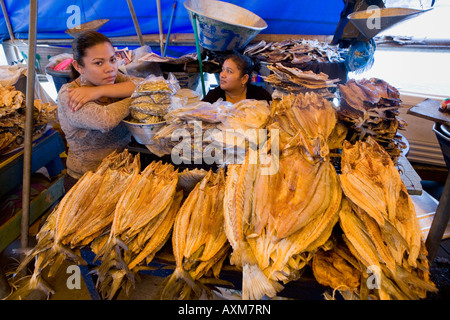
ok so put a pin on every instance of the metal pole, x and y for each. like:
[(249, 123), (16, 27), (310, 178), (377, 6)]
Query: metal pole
[(10, 30), (170, 27), (8, 22), (28, 124), (199, 56), (136, 23), (440, 221), (161, 35)]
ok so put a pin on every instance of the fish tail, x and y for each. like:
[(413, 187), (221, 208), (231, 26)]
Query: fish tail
[(256, 285), (181, 286)]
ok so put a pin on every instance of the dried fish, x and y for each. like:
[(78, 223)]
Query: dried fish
[(370, 107), (237, 212), (152, 97), (291, 51), (382, 229), (307, 121), (76, 211), (294, 80), (199, 241), (143, 217), (12, 118)]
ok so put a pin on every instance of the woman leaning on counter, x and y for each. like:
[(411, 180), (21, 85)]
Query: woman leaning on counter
[(91, 108)]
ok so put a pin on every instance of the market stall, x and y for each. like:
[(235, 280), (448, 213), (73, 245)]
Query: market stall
[(316, 181)]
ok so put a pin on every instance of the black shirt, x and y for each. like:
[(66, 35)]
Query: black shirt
[(253, 92)]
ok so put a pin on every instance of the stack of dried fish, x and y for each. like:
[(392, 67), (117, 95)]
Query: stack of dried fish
[(12, 118), (237, 212), (84, 213), (151, 100), (371, 108), (11, 100), (186, 122), (379, 228), (292, 51), (100, 194), (143, 218), (199, 241), (294, 80), (205, 127), (307, 121), (274, 235)]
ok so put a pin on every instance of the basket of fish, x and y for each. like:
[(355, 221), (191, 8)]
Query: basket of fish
[(224, 26)]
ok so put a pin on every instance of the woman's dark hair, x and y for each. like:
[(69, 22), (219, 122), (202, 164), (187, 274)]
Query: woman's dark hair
[(83, 42), (245, 64)]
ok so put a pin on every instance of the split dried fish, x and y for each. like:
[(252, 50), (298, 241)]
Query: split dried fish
[(306, 121), (143, 218), (79, 217), (382, 229), (199, 241)]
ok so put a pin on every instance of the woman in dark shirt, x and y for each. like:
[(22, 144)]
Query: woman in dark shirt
[(235, 82)]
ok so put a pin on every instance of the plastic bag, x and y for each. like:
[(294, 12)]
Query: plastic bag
[(16, 76), (152, 98), (55, 60), (153, 84), (247, 114), (190, 96), (9, 75), (200, 111), (141, 69)]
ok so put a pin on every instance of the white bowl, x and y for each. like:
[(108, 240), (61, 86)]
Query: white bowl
[(143, 133)]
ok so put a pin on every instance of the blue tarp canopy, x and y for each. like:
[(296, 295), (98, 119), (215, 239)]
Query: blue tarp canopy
[(319, 17)]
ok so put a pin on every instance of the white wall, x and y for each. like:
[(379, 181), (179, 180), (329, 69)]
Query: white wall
[(3, 61)]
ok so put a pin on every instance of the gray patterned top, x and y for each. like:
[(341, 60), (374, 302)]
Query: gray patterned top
[(95, 130)]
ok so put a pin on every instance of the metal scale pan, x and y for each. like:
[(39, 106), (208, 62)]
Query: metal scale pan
[(93, 25), (368, 24)]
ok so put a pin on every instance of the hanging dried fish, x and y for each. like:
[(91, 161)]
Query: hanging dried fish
[(199, 241), (79, 217), (382, 229), (306, 121), (143, 218)]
